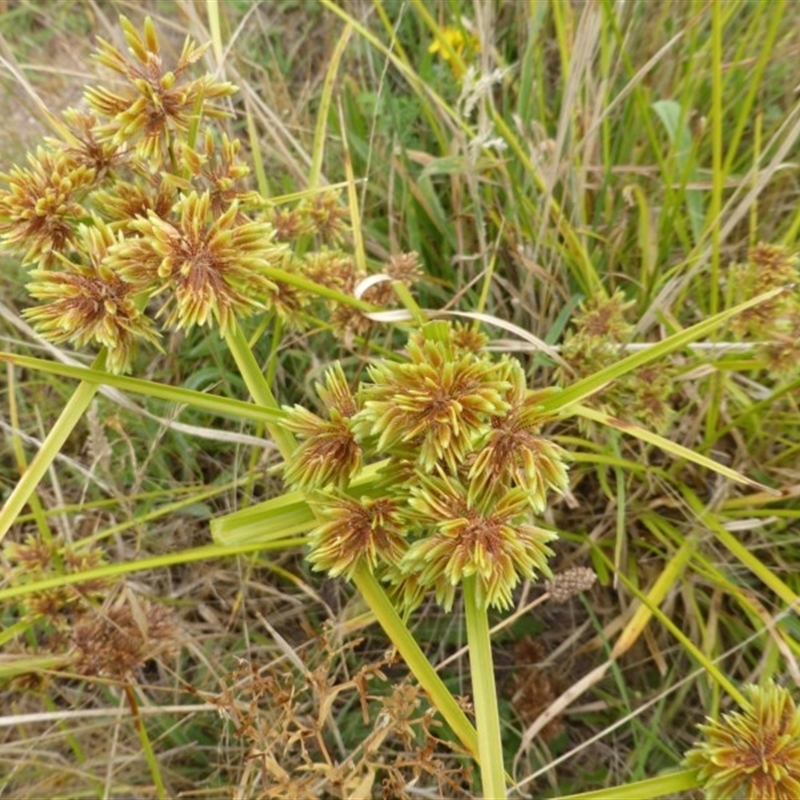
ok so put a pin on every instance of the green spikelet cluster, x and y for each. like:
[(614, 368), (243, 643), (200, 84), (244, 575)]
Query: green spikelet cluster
[(463, 469), (598, 339)]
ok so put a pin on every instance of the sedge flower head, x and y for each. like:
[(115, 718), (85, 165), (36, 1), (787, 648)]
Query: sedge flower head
[(41, 208), (369, 532), (332, 268), (599, 329), (156, 102), (126, 201), (403, 267), (90, 303), (492, 541), (289, 302), (326, 216), (782, 354), (647, 396), (209, 268), (465, 337), (604, 318), (218, 168), (516, 454), (82, 144), (289, 223), (752, 754), (35, 559), (445, 515), (571, 582), (329, 453), (440, 400), (768, 267), (118, 640)]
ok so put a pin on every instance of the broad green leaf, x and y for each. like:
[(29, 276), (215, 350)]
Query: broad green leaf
[(675, 123)]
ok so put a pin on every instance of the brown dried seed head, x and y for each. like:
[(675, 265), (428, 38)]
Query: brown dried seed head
[(571, 582)]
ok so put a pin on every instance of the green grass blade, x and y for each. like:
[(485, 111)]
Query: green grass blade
[(652, 788), (428, 678), (588, 386), (202, 553), (72, 414), (673, 448), (224, 406)]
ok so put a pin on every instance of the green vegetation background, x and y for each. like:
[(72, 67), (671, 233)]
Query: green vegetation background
[(537, 156)]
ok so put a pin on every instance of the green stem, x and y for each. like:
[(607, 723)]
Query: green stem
[(669, 784), (484, 692), (406, 298), (366, 583), (73, 411), (258, 386), (401, 637), (144, 739)]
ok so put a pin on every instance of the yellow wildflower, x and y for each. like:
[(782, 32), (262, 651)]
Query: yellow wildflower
[(455, 46)]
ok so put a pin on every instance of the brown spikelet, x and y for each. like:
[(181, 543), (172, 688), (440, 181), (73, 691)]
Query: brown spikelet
[(116, 641), (573, 581)]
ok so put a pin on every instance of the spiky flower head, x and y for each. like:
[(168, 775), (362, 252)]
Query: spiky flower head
[(439, 401), (777, 319), (598, 329), (81, 144), (403, 267), (493, 541), (515, 453), (601, 317), (752, 754), (368, 532), (329, 453), (208, 268), (598, 340), (115, 641), (90, 303), (289, 223), (465, 337), (768, 267), (460, 467), (331, 268), (326, 216), (646, 393), (35, 559), (41, 210), (122, 203), (216, 166), (782, 354), (154, 103)]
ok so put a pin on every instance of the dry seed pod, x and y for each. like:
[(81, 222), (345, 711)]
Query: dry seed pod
[(571, 582)]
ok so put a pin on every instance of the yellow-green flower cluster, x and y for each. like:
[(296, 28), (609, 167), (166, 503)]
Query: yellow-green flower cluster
[(138, 213), (754, 753), (137, 219), (124, 214), (462, 467), (315, 228)]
